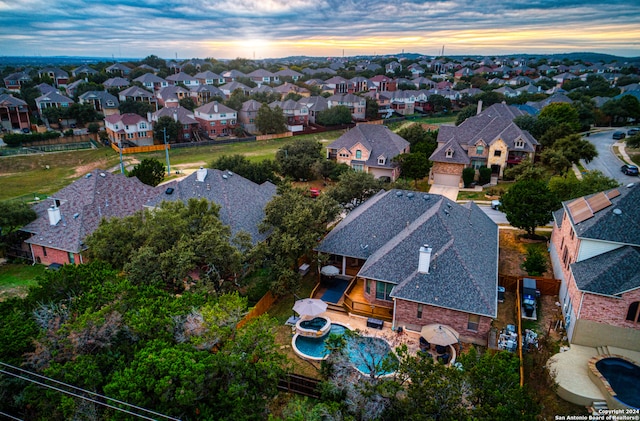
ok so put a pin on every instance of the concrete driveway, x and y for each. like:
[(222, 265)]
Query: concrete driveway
[(446, 191)]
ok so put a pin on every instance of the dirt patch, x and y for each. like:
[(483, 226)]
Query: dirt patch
[(513, 249)]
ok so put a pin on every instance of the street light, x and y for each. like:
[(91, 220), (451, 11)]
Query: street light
[(166, 150)]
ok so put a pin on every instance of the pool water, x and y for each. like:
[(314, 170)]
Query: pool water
[(316, 323), (624, 379), (364, 352)]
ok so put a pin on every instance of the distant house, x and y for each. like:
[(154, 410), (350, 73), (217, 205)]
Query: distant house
[(152, 82), (419, 259), (83, 70), (137, 94), (230, 87), (339, 84), (209, 78), (73, 87), (216, 119), (242, 202), (357, 105), (289, 75), (202, 94), (188, 124), (315, 105), (369, 148), (232, 75), (116, 82), (384, 83), (182, 78), (128, 129), (289, 88), (295, 113), (52, 99), (595, 251), (14, 113), (171, 95), (59, 77), (490, 139), (248, 114), (118, 69), (262, 76), (67, 217), (14, 81), (102, 101)]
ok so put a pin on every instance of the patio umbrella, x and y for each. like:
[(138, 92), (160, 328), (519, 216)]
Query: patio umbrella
[(310, 307), (438, 334), (329, 270)]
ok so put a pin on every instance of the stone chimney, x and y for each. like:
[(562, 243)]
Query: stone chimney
[(425, 259), (479, 107), (54, 215), (201, 174)]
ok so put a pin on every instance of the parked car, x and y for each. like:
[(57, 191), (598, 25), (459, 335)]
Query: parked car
[(618, 135), (628, 169), (633, 131)]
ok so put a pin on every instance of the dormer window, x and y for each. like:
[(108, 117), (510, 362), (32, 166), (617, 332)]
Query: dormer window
[(381, 160), (449, 153), (479, 149), (519, 143), (358, 154)]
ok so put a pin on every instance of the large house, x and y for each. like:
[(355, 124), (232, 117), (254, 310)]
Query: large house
[(369, 148), (14, 113), (129, 128), (490, 139), (188, 124), (102, 101), (68, 216), (52, 99), (595, 251), (216, 119), (419, 259), (242, 202)]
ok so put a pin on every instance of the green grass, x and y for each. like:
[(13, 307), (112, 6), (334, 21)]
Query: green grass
[(282, 308), (472, 195), (15, 279)]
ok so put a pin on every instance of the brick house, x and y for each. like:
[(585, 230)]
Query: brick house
[(420, 259), (71, 214), (295, 113), (102, 101), (357, 105), (216, 119), (129, 128), (171, 95), (490, 139), (152, 82), (14, 113), (595, 252), (369, 148), (188, 123), (59, 77), (13, 82), (52, 99), (248, 114)]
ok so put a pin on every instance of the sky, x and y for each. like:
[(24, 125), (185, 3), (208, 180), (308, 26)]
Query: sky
[(226, 29)]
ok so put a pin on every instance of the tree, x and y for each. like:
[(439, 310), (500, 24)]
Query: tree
[(296, 159), (236, 99), (353, 188), (485, 175), (535, 264), (258, 172), (413, 165), (575, 148), (166, 126), (567, 186), (439, 103), (136, 107), (528, 204), (150, 171), (334, 116), (372, 110), (14, 215), (468, 175), (562, 112), (270, 120), (188, 103), (465, 113), (526, 170)]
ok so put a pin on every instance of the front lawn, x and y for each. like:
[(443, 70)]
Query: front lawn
[(15, 279)]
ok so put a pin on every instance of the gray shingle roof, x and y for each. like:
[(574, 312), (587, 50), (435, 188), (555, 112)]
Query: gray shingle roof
[(459, 155), (83, 204), (241, 201), (606, 225), (377, 139), (388, 231), (610, 273)]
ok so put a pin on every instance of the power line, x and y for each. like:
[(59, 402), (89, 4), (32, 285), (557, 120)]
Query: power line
[(83, 391), (10, 416)]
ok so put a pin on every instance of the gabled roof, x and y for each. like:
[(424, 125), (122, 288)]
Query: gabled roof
[(181, 77), (208, 74), (115, 82), (83, 204), (149, 78), (610, 273), (241, 201), (102, 96), (8, 100), (377, 139), (388, 231), (213, 90), (54, 97), (127, 119), (214, 107), (260, 73), (288, 72), (450, 152), (315, 103), (251, 105), (180, 114), (135, 91)]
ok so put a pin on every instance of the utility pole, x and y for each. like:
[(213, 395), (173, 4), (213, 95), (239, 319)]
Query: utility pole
[(120, 150), (166, 150)]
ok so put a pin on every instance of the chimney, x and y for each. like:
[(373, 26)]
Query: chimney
[(479, 107), (54, 215), (175, 116), (149, 117), (425, 259), (215, 107), (201, 174)]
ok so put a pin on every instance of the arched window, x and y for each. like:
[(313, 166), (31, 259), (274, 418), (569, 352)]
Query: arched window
[(632, 313), (358, 154)]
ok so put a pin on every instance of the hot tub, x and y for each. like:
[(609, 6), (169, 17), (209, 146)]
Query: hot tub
[(618, 378), (316, 327)]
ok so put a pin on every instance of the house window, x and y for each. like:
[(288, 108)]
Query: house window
[(143, 125), (130, 135), (358, 154), (519, 144), (223, 115), (358, 167), (223, 122), (479, 150), (72, 258), (633, 315), (572, 234), (497, 153), (367, 286), (142, 134), (419, 315), (565, 257), (212, 123), (381, 161), (449, 153), (44, 251), (383, 290), (473, 323)]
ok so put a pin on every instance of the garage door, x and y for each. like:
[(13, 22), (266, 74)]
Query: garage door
[(446, 179)]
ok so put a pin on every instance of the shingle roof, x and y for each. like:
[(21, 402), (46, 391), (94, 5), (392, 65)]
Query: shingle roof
[(10, 100), (214, 107), (610, 273), (378, 140), (149, 78), (610, 225), (115, 82), (136, 91), (183, 115), (83, 204), (241, 201), (459, 155), (388, 231)]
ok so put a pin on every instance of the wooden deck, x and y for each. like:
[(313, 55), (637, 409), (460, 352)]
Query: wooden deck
[(355, 302)]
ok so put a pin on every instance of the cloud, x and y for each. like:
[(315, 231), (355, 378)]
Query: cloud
[(210, 28)]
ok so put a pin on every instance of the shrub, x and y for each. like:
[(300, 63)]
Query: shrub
[(16, 139), (485, 175), (468, 175), (535, 263)]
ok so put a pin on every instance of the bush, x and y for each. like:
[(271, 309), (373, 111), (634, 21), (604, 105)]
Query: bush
[(16, 139), (468, 175), (535, 263), (485, 175)]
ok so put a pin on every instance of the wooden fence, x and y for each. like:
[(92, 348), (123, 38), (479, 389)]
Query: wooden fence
[(139, 149), (260, 308), (300, 385), (274, 136), (546, 286)]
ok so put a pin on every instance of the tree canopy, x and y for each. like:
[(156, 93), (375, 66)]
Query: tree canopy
[(529, 204), (270, 120), (296, 159), (150, 171), (258, 172), (334, 116)]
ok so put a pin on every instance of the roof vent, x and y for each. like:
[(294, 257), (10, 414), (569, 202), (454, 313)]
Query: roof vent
[(617, 211), (399, 193), (88, 175), (201, 174), (229, 173), (225, 176), (426, 197), (169, 190), (102, 174), (410, 195), (630, 185), (446, 212), (76, 215)]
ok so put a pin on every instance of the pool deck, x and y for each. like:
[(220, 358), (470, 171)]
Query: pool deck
[(572, 373)]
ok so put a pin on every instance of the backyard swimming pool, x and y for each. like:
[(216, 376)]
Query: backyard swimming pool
[(623, 377), (366, 353)]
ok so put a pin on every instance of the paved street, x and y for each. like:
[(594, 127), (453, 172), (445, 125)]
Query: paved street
[(606, 161)]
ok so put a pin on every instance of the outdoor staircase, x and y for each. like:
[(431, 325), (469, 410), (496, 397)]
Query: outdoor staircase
[(603, 350), (597, 407)]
